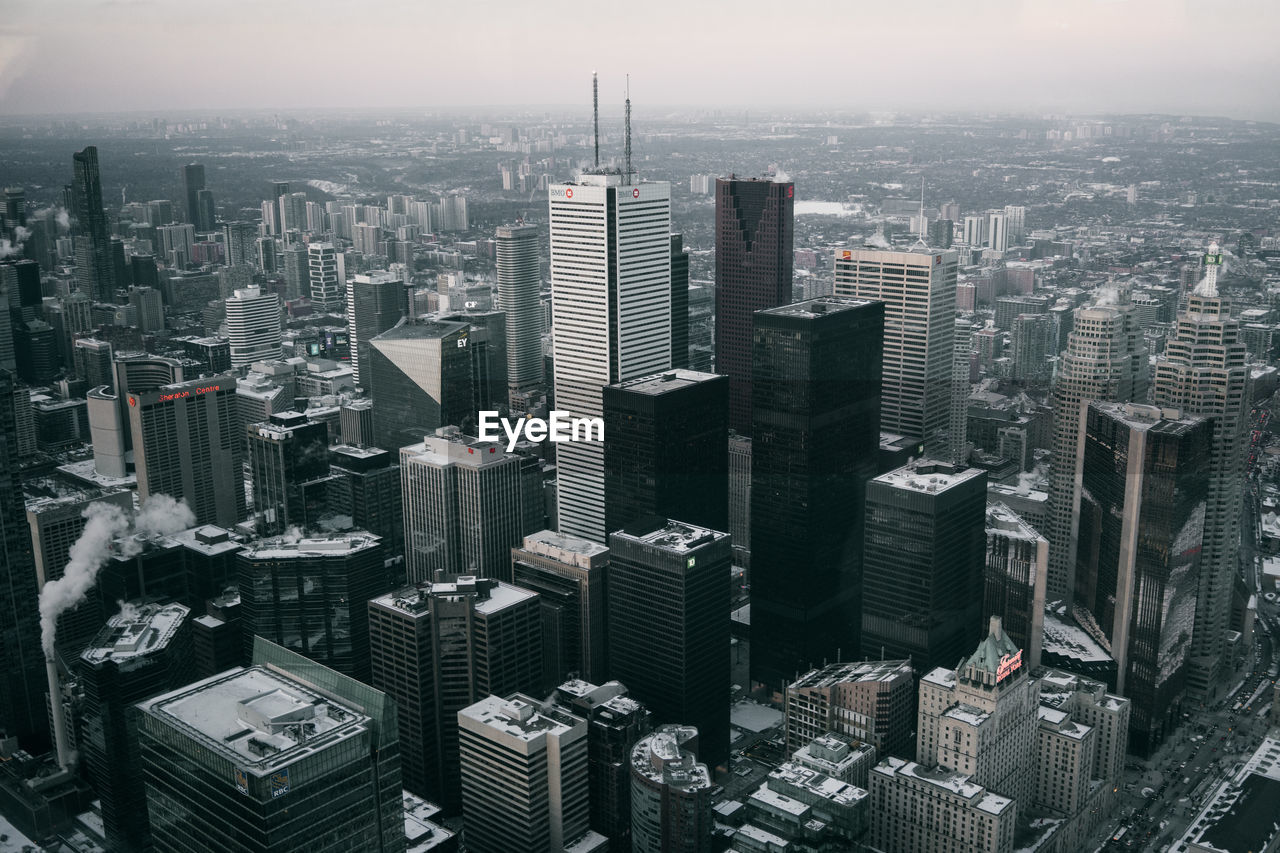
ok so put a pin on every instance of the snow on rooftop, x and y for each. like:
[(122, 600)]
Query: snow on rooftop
[(136, 631), (837, 673), (754, 717), (520, 717), (285, 547), (928, 476)]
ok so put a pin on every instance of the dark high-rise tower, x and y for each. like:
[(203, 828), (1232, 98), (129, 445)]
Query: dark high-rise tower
[(816, 438), (754, 237), (22, 678), (669, 625), (94, 271), (923, 565), (289, 466), (666, 451), (192, 184), (679, 302)]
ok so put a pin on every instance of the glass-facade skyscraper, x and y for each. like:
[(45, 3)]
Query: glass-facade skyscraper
[(420, 378), (816, 377)]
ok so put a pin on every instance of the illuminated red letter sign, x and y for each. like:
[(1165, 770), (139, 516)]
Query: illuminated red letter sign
[(1008, 665)]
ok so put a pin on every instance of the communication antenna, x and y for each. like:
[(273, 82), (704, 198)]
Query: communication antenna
[(921, 240), (627, 131), (595, 112)]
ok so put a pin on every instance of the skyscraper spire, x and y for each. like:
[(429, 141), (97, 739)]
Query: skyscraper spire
[(626, 174), (595, 113)]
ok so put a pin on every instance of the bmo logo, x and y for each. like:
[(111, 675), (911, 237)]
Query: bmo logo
[(635, 193), (561, 192)]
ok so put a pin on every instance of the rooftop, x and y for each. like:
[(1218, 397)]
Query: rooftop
[(837, 673), (667, 381), (562, 546), (491, 595), (674, 536), (256, 718), (661, 757), (819, 784), (1006, 522), (136, 631), (817, 307), (521, 717), (929, 476), (333, 545)]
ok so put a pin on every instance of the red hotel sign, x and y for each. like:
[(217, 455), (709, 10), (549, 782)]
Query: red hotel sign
[(1009, 664), (178, 395)]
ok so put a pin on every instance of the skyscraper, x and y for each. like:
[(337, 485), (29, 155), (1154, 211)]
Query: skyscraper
[(666, 451), (611, 311), (420, 378), (1106, 360), (754, 242), (94, 270), (22, 681), (524, 777), (326, 290), (192, 183), (815, 403), (253, 326), (289, 469), (142, 651), (1203, 372), (366, 486), (679, 302), (1014, 579), (871, 701), (187, 444), (519, 283), (260, 760), (467, 503), (958, 421), (671, 649), (376, 301), (1143, 476), (437, 648), (297, 272), (924, 533), (918, 288), (242, 243), (310, 596), (1033, 339), (998, 232)]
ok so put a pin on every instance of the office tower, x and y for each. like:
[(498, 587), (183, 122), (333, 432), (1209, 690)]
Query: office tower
[(754, 253), (20, 280), (519, 283), (437, 648), (260, 760), (23, 683), (326, 290), (206, 215), (998, 232), (666, 452), (293, 212), (241, 240), (264, 249), (615, 722), (192, 184), (176, 244), (672, 649), (611, 311), (311, 595), (365, 238), (1015, 217), (365, 485), (467, 503), (420, 380), (253, 326), (942, 233), (36, 352), (524, 777), (1105, 359), (815, 403), (453, 213), (670, 794), (1033, 338), (740, 496), (1203, 372), (958, 415), (679, 302), (569, 574), (924, 533), (488, 344), (872, 701), (289, 470), (297, 272), (149, 308), (1143, 476), (1009, 307), (142, 651), (1017, 563), (94, 270), (918, 288), (975, 231), (186, 444), (15, 208), (376, 301)]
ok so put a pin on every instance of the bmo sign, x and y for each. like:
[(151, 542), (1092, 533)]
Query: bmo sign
[(561, 192)]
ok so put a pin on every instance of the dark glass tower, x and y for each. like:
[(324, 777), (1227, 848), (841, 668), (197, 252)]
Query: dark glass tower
[(141, 652), (192, 184), (679, 302), (289, 465), (816, 439), (754, 237), (669, 626), (666, 449), (420, 378), (923, 564), (22, 680), (94, 270), (1144, 486)]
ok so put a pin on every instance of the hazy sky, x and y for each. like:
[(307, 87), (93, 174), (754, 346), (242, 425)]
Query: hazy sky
[(1175, 56)]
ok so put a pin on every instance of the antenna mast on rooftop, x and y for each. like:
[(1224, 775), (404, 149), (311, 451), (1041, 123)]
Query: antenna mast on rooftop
[(595, 112), (921, 241), (627, 132)]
